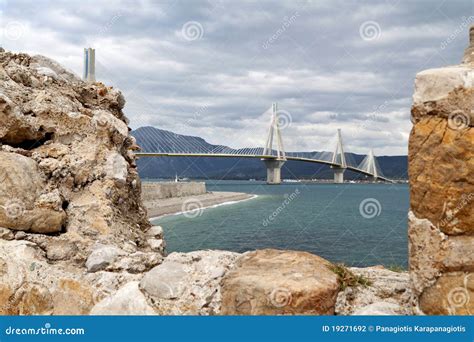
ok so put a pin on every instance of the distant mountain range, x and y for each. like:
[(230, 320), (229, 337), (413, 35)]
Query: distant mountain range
[(148, 138)]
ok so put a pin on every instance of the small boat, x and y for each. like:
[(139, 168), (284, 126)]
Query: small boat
[(177, 179)]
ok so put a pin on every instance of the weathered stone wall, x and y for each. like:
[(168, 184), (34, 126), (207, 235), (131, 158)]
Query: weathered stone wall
[(441, 169), (155, 191)]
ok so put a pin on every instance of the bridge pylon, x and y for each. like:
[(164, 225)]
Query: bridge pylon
[(274, 158), (339, 158), (371, 165)]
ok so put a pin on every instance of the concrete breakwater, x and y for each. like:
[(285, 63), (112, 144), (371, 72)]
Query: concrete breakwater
[(160, 190), (167, 198)]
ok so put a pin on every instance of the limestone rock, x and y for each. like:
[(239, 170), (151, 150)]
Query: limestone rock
[(388, 294), (128, 300), (379, 309), (72, 297), (23, 203), (72, 223), (441, 170), (155, 232), (157, 245), (102, 256), (73, 139), (273, 282), (166, 281), (6, 234), (61, 250), (188, 283), (427, 250), (29, 285)]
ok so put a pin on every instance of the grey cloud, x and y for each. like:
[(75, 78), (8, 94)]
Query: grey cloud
[(307, 55)]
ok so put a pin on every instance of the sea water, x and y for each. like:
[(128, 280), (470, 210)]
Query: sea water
[(357, 224)]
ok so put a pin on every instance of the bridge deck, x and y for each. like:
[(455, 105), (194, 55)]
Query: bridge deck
[(227, 155)]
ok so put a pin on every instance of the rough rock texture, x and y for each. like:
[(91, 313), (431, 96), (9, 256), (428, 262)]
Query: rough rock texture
[(441, 169), (128, 300), (274, 282), (73, 229), (388, 294), (188, 283)]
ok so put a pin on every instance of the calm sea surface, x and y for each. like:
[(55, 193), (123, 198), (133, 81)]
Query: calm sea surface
[(358, 224)]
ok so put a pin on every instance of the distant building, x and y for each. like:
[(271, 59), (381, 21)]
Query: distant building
[(89, 65)]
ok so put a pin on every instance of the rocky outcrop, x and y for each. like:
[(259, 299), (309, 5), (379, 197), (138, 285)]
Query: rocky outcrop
[(441, 220), (388, 293), (188, 283), (73, 229), (274, 282)]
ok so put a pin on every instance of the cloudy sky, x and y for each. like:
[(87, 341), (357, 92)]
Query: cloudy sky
[(212, 68)]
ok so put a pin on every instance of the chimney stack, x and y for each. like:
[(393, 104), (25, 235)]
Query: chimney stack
[(469, 52), (89, 65)]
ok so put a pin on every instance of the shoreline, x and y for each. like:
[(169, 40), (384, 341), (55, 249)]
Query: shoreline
[(178, 205)]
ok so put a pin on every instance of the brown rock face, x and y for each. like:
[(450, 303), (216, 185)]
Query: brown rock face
[(451, 295), (441, 169), (273, 282)]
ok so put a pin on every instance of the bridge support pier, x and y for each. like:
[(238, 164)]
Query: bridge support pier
[(273, 170), (339, 174)]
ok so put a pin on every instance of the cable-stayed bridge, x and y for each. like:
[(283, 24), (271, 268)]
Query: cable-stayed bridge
[(273, 154)]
